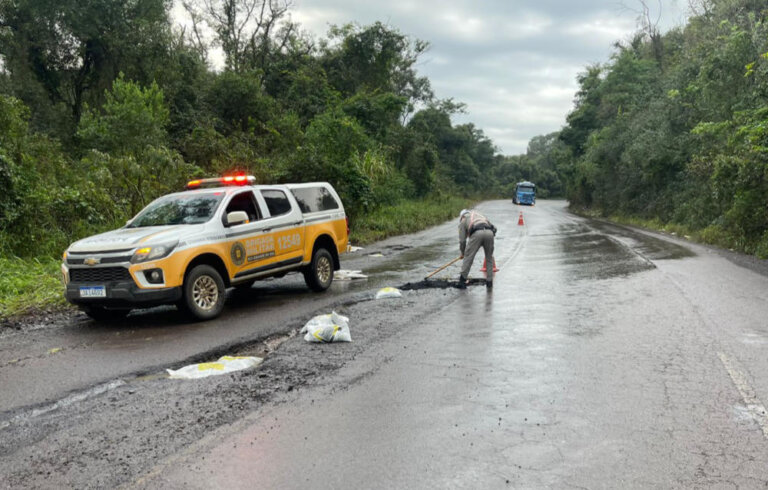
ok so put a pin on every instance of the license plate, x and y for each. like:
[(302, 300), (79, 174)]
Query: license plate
[(93, 292)]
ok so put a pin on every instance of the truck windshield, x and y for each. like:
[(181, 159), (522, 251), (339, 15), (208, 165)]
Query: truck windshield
[(181, 209), (525, 189)]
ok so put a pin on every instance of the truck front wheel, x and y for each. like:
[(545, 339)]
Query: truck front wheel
[(204, 292), (319, 274)]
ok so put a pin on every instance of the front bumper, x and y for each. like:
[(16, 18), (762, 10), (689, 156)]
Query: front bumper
[(123, 294)]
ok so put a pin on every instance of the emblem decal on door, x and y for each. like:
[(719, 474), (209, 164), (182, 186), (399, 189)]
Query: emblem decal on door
[(238, 253)]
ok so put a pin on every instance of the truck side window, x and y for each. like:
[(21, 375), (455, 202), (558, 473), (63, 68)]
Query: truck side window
[(314, 199), (277, 202), (244, 202)]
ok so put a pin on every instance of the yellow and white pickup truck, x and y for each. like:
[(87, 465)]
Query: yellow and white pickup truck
[(187, 248)]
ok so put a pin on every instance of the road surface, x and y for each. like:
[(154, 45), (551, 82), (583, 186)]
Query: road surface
[(604, 357)]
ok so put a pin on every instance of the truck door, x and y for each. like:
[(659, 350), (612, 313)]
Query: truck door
[(251, 245), (286, 224)]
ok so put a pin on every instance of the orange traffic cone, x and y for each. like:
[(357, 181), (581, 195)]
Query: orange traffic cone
[(520, 219), (485, 269)]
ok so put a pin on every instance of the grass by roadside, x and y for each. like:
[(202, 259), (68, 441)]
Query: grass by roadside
[(405, 217), (29, 285)]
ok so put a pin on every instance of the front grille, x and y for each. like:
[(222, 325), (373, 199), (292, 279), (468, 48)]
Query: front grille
[(99, 274), (80, 260)]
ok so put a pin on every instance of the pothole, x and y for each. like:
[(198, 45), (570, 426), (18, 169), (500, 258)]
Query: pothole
[(439, 284), (261, 348), (399, 248), (266, 346)]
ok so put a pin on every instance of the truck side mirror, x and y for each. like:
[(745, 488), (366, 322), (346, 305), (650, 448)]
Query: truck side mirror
[(237, 218)]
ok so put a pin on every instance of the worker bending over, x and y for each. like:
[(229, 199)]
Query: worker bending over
[(480, 232)]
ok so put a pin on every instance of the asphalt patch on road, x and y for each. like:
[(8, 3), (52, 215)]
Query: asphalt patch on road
[(439, 284), (398, 248)]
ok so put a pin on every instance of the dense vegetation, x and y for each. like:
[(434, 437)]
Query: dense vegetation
[(105, 104), (673, 130)]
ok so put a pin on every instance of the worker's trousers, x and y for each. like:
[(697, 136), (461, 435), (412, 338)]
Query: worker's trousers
[(480, 238)]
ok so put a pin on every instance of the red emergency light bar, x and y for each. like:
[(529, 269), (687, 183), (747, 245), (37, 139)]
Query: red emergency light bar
[(221, 181)]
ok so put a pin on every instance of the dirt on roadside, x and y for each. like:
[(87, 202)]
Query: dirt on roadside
[(37, 319)]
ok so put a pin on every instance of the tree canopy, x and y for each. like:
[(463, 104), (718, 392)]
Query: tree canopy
[(107, 105), (672, 128)]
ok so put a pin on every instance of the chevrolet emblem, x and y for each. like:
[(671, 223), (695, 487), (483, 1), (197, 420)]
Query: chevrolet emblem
[(92, 261)]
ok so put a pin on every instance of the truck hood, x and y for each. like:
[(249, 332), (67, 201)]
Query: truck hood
[(130, 238)]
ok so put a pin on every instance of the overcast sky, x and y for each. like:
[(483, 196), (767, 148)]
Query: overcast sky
[(512, 62)]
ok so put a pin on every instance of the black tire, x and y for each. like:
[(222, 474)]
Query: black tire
[(204, 293), (104, 315), (319, 274)]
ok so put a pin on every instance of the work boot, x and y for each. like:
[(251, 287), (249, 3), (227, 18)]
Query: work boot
[(462, 282), (488, 284)]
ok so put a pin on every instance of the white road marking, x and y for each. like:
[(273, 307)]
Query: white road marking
[(752, 402)]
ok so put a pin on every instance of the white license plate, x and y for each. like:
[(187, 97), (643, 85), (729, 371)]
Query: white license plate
[(93, 292)]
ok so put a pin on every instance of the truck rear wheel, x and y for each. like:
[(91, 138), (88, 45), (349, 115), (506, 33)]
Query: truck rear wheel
[(319, 274), (204, 292)]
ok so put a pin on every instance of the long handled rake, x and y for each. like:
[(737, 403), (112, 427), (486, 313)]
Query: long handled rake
[(443, 267)]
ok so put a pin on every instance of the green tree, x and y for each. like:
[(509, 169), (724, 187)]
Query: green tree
[(126, 143), (584, 118), (378, 113), (334, 147), (62, 54), (239, 102), (376, 59), (43, 203), (309, 93)]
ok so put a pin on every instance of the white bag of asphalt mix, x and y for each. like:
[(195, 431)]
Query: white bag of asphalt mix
[(388, 292), (225, 364), (327, 328)]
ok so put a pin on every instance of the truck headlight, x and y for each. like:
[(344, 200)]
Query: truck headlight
[(151, 253)]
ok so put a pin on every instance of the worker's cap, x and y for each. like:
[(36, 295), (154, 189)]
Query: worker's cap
[(463, 212)]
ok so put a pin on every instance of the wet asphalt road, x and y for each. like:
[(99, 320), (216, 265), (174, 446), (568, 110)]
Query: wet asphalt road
[(603, 358), (42, 365)]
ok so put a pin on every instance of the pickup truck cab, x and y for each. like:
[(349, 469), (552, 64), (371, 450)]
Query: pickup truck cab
[(187, 248)]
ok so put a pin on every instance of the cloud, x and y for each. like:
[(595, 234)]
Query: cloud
[(513, 63)]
